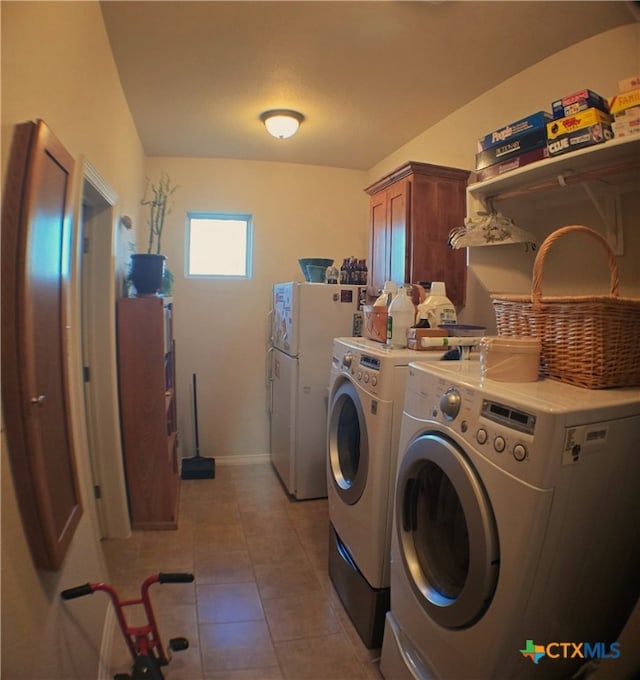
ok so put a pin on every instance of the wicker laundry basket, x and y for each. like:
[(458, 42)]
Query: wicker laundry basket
[(591, 341)]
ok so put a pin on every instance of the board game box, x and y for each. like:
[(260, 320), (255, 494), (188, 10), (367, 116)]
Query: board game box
[(512, 131), (497, 154), (588, 136), (582, 119), (578, 101), (512, 164), (625, 100)]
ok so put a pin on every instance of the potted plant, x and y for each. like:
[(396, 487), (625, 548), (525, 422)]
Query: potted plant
[(148, 270)]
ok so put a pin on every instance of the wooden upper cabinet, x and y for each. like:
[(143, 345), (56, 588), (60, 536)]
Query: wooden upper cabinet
[(412, 211)]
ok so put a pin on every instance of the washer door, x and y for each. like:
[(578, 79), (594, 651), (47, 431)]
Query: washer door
[(347, 443), (446, 532)]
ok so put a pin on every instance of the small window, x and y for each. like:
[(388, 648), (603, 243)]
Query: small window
[(219, 245)]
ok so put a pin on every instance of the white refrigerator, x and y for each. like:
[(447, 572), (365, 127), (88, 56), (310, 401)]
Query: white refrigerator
[(305, 317)]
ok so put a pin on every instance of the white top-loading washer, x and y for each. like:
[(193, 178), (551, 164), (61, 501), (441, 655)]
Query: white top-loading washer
[(515, 520)]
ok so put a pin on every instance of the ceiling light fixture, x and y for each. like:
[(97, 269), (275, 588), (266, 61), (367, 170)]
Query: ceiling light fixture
[(281, 123)]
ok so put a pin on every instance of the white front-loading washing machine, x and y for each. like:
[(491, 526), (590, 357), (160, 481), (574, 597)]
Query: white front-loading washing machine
[(363, 425), (516, 542)]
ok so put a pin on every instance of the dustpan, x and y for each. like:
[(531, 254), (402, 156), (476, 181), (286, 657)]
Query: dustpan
[(197, 467)]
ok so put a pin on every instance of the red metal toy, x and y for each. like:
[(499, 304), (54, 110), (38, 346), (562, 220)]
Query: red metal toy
[(143, 641)]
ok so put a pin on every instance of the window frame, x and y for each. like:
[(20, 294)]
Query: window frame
[(248, 260)]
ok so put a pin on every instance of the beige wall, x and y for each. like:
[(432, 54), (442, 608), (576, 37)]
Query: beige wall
[(220, 326), (57, 65)]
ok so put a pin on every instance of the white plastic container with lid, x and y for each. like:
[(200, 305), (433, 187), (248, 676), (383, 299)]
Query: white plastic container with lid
[(510, 359), (401, 317), (437, 309), (388, 292)]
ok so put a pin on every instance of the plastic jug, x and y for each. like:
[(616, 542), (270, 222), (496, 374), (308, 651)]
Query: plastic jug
[(401, 317), (437, 309), (387, 295)]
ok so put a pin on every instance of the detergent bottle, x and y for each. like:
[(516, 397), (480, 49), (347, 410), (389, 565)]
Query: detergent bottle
[(437, 309), (401, 317), (388, 292)]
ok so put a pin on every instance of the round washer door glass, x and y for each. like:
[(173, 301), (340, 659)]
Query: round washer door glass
[(348, 444), (447, 533)]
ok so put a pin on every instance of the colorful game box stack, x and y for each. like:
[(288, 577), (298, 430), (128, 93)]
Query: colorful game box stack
[(513, 146), (580, 119), (625, 107)]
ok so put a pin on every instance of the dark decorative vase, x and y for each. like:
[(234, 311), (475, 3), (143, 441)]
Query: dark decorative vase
[(146, 272)]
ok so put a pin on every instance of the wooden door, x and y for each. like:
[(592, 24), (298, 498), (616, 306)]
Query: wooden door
[(398, 200), (389, 236), (379, 254), (438, 206), (36, 258)]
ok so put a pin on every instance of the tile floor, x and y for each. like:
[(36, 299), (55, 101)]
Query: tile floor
[(262, 606)]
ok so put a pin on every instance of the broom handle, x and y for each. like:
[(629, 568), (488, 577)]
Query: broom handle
[(195, 414)]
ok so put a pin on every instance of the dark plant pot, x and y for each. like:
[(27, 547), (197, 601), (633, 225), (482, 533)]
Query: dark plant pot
[(146, 272)]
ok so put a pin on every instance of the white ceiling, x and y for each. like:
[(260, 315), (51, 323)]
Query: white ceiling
[(368, 76)]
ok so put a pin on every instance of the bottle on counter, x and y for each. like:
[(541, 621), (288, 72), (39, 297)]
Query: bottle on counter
[(363, 272), (401, 317), (437, 309), (344, 272), (332, 274), (353, 272), (388, 293)]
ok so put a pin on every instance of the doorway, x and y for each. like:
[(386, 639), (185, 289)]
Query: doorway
[(97, 284)]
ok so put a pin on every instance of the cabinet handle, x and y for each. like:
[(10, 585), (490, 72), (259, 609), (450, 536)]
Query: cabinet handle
[(39, 400)]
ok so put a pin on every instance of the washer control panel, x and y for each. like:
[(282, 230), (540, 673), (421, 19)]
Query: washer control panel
[(450, 403), (505, 439), (501, 432), (509, 416), (364, 368)]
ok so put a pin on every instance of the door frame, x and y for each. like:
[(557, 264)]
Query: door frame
[(94, 300)]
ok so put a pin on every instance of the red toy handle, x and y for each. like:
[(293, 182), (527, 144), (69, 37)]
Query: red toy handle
[(142, 640), (90, 588), (175, 578)]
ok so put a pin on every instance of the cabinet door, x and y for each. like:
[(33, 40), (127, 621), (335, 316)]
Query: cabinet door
[(379, 253), (438, 205), (36, 257), (398, 198), (389, 238)]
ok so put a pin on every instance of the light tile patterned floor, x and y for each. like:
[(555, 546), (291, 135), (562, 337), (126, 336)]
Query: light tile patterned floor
[(262, 606)]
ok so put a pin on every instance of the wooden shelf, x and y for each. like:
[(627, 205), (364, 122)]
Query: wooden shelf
[(146, 372)]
